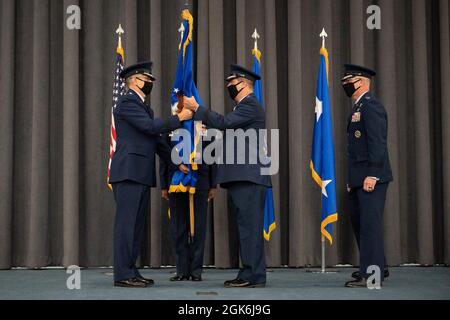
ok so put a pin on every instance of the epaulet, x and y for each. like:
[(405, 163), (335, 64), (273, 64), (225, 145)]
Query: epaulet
[(371, 100), (371, 103), (129, 95), (122, 98), (251, 100)]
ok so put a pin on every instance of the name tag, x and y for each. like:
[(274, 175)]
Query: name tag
[(356, 117)]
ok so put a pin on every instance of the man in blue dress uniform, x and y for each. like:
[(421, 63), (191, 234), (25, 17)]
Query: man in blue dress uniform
[(245, 183), (133, 169), (189, 252), (369, 171)]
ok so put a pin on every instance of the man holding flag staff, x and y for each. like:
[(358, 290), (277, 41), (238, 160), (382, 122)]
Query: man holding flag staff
[(188, 192), (369, 171), (189, 249), (133, 169), (245, 183)]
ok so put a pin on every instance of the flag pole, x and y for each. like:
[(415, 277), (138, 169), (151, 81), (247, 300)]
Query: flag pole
[(323, 35), (323, 269)]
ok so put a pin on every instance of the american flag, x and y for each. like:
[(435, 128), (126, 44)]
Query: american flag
[(118, 90)]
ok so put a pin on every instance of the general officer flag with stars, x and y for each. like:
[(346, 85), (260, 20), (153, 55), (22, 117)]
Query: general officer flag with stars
[(323, 159)]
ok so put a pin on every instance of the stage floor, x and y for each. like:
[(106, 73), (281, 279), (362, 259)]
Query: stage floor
[(283, 284)]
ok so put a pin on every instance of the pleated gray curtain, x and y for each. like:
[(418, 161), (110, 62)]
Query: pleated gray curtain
[(56, 93)]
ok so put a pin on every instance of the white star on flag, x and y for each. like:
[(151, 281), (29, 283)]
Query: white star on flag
[(324, 187), (318, 109), (176, 90)]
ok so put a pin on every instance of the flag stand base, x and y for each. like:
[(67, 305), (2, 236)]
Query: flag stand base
[(323, 269)]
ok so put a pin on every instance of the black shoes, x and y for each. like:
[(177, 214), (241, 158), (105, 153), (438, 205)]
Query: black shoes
[(358, 283), (149, 282), (186, 278), (196, 279), (238, 283), (228, 283), (179, 278), (356, 275), (141, 282), (132, 283)]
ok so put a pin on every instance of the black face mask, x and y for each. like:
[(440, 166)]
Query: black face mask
[(350, 89), (233, 91), (147, 88)]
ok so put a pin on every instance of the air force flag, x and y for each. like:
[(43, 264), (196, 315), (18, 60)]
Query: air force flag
[(184, 86)]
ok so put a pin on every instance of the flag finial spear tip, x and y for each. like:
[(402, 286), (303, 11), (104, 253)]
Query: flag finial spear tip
[(323, 35), (120, 30), (256, 36)]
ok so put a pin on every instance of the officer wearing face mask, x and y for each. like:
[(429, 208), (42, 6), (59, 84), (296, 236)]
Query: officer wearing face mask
[(369, 171), (245, 184), (138, 136)]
